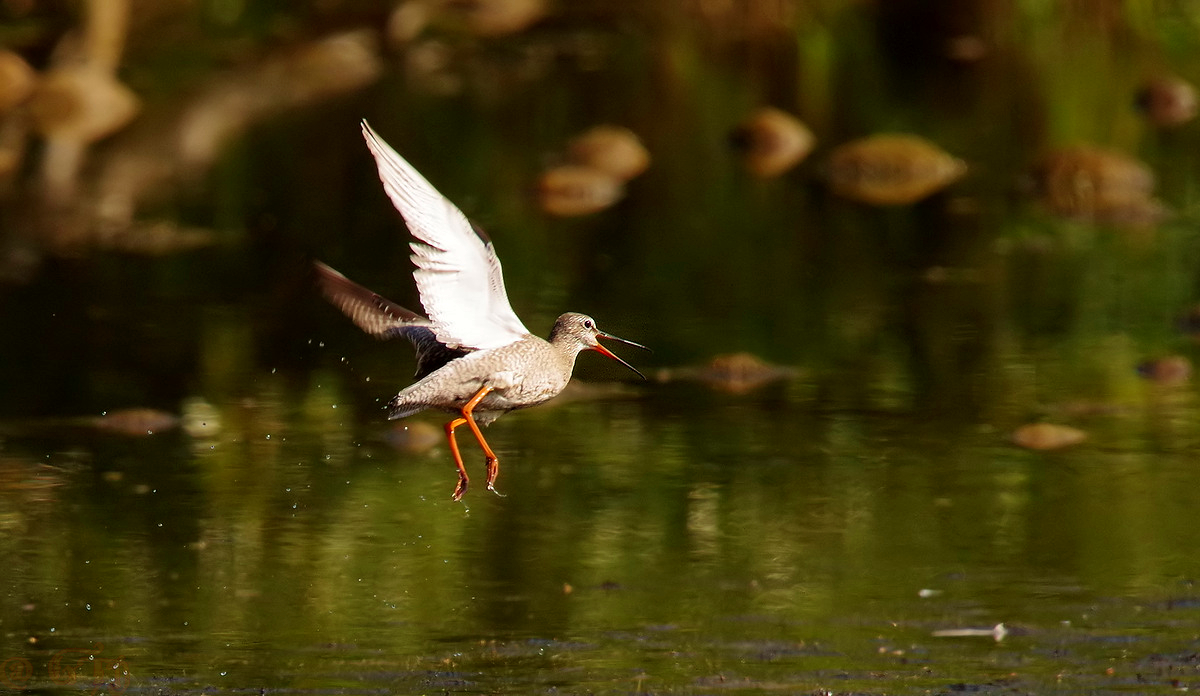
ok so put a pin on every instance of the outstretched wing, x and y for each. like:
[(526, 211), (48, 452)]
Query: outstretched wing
[(458, 273), (371, 312), (383, 318)]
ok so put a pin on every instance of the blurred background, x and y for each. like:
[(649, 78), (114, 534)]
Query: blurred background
[(922, 281)]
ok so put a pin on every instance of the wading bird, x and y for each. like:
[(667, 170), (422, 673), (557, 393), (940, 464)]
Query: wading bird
[(475, 358)]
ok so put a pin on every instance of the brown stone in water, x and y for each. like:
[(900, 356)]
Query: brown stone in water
[(613, 150), (1047, 436), (136, 421), (1170, 370), (736, 373), (498, 17), (415, 437), (570, 190), (17, 80), (772, 142), (1167, 101), (892, 169), (81, 104), (1088, 183)]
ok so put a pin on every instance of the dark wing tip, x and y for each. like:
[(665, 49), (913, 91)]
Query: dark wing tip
[(370, 311)]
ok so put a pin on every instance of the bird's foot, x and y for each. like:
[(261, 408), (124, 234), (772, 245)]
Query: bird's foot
[(492, 488), (492, 465), (460, 489)]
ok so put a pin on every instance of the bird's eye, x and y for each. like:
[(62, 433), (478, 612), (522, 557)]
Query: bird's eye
[(587, 324)]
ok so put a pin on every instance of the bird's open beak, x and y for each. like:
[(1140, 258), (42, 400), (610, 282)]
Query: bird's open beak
[(604, 351)]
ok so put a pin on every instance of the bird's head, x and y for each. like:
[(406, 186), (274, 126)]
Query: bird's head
[(580, 331)]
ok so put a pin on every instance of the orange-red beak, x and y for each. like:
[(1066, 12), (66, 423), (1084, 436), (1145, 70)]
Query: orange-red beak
[(606, 352)]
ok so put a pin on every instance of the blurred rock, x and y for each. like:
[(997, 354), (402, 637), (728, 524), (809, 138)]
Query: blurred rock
[(1169, 371), (1096, 185), (414, 437), (81, 104), (430, 67), (614, 150), (772, 142), (79, 99), (497, 17), (17, 80), (333, 65), (71, 108), (966, 48), (135, 422), (149, 160), (14, 129), (891, 169), (1167, 101), (570, 190), (1047, 436), (407, 21), (736, 373)]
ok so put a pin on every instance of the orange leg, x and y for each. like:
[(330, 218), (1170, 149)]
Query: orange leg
[(493, 462), (462, 470)]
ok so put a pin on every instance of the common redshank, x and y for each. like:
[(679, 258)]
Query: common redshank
[(475, 358)]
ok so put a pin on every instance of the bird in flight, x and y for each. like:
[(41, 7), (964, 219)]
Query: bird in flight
[(475, 359)]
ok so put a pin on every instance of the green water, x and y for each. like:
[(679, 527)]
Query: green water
[(813, 535)]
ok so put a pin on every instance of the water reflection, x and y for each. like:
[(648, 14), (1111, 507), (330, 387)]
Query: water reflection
[(746, 533)]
